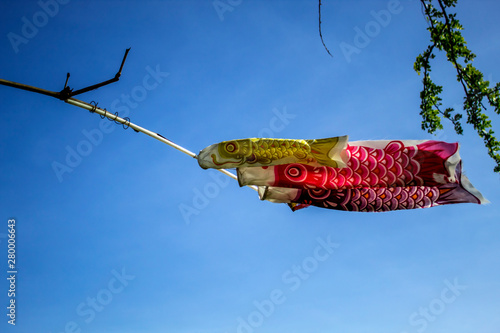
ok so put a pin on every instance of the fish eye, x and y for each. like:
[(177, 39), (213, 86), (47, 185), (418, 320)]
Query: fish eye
[(231, 147)]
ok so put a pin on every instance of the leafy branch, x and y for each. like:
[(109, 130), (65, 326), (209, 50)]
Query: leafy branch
[(445, 31)]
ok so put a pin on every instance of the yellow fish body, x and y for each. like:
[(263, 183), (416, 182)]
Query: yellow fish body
[(267, 152)]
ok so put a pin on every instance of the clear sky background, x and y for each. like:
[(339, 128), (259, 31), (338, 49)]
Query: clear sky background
[(134, 237)]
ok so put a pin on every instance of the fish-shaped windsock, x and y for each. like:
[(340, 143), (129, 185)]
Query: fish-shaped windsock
[(267, 152)]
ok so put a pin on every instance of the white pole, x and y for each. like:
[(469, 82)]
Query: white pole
[(125, 122), (112, 116)]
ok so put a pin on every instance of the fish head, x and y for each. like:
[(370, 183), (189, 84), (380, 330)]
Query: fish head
[(236, 149)]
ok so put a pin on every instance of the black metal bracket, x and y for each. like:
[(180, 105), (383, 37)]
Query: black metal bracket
[(66, 92)]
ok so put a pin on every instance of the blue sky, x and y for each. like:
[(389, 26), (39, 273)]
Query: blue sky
[(105, 245)]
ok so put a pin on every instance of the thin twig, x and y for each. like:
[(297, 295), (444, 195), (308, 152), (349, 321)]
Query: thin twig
[(320, 34)]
